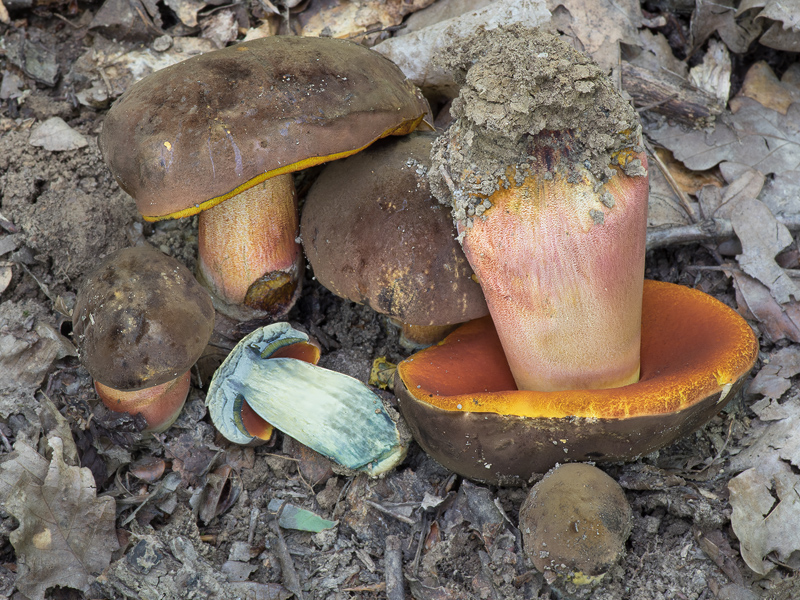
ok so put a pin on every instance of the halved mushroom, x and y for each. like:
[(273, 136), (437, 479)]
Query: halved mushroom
[(222, 133), (463, 407), (374, 235), (141, 321)]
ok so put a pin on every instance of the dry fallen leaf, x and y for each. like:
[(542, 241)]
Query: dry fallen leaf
[(56, 136), (776, 321), (66, 534), (774, 378), (762, 524), (762, 85), (599, 26), (782, 17), (755, 136)]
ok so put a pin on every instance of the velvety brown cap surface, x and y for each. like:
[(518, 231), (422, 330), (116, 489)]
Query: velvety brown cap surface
[(196, 131), (374, 234), (141, 319), (575, 521)]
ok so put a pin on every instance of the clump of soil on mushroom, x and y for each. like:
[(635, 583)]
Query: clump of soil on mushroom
[(516, 83)]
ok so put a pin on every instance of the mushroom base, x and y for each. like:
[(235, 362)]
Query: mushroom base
[(460, 402), (160, 405)]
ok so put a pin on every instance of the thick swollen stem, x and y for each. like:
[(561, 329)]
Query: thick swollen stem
[(160, 405), (561, 264), (248, 253)]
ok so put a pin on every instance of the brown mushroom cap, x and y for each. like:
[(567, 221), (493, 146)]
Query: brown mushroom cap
[(198, 132), (374, 234), (575, 522), (462, 405), (141, 319)]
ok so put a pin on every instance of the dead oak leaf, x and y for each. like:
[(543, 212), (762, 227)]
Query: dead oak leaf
[(66, 534), (755, 136)]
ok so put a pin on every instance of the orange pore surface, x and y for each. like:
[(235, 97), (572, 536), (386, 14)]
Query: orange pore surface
[(693, 346)]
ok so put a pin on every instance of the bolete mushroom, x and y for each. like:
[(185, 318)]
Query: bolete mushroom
[(545, 172), (575, 523), (373, 234), (462, 405), (140, 322), (222, 132)]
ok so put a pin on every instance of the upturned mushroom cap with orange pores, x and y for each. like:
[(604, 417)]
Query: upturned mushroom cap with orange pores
[(462, 405), (222, 133), (141, 321), (373, 233)]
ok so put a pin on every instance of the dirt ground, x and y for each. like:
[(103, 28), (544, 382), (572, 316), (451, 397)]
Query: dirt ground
[(206, 522)]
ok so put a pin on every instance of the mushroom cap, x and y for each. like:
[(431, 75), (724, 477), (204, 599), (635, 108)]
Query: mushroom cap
[(196, 133), (575, 522), (141, 319), (462, 406), (374, 234)]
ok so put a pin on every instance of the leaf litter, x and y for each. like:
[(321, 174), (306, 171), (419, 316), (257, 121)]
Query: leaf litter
[(209, 506)]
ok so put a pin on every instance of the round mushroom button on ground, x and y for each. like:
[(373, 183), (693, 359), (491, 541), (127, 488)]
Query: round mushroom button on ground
[(140, 322)]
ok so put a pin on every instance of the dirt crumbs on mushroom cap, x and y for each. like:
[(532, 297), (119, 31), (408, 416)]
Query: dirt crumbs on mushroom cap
[(518, 82), (141, 319), (575, 523)]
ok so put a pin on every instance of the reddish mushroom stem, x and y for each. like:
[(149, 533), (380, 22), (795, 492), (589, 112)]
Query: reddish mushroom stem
[(160, 405), (248, 253), (561, 263)]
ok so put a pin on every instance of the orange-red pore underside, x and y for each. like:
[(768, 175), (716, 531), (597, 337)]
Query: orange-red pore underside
[(692, 346), (561, 265)]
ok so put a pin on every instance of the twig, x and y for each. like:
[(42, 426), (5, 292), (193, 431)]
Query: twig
[(386, 511), (712, 230), (290, 577), (393, 568), (420, 543)]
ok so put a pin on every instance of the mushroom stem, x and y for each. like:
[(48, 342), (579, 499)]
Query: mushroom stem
[(247, 249), (416, 337), (561, 263), (160, 405)]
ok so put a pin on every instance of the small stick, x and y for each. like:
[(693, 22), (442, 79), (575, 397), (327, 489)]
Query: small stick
[(393, 568), (386, 511), (290, 577)]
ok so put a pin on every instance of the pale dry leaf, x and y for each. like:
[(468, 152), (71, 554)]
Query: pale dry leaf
[(656, 54), (719, 16), (782, 194), (762, 238), (713, 75), (599, 26), (774, 378), (776, 321), (350, 18), (755, 136), (763, 525), (55, 135), (416, 52), (762, 85), (785, 11), (66, 534), (186, 10)]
